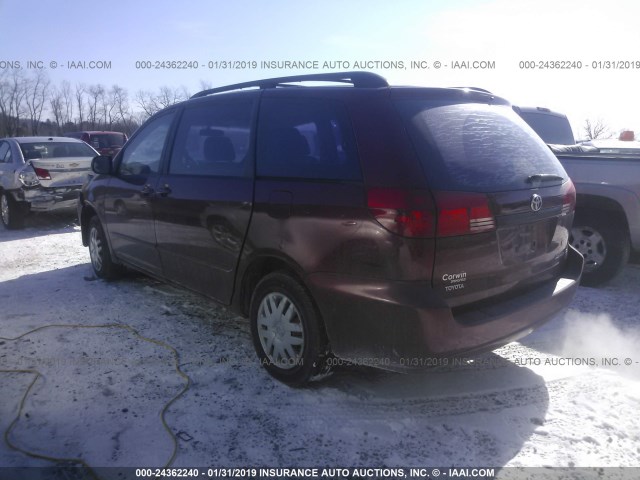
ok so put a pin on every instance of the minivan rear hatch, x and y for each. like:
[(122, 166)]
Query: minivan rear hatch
[(503, 202)]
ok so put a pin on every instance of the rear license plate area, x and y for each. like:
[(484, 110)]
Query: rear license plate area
[(521, 243)]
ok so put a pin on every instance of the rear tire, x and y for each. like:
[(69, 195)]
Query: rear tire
[(287, 331), (11, 212), (103, 265), (603, 243)]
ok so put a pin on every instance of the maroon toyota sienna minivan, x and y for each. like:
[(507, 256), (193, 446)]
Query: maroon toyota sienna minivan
[(379, 225)]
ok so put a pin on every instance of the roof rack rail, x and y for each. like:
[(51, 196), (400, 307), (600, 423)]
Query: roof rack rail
[(357, 79), (475, 89)]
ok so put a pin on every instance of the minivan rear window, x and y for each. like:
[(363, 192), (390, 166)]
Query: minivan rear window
[(477, 147)]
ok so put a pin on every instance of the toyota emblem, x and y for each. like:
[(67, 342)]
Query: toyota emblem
[(536, 202)]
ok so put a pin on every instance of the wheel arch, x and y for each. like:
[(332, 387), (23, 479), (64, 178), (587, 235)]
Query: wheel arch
[(89, 211), (12, 192), (256, 269), (85, 217), (595, 204), (18, 209), (601, 234)]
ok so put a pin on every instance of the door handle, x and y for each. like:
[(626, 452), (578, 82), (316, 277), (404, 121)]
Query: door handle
[(147, 190), (164, 190)]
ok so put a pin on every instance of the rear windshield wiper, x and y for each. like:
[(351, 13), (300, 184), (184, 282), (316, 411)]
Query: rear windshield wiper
[(543, 177)]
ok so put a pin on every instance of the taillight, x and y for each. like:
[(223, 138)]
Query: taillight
[(42, 173), (462, 213), (414, 214), (407, 213), (568, 197)]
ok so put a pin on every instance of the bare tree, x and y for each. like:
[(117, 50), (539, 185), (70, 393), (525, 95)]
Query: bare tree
[(170, 96), (4, 102), (56, 108), (596, 129), (96, 106), (12, 101), (205, 85), (166, 97), (147, 102), (138, 118), (108, 109), (123, 114), (36, 91), (67, 103), (80, 92), (184, 94)]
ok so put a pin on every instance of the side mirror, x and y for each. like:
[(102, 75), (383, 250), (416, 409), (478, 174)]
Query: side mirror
[(102, 164)]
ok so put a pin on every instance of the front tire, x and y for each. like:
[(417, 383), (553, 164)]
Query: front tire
[(11, 212), (287, 330), (101, 261), (603, 243)]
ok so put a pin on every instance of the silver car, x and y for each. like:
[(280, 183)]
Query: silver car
[(41, 174)]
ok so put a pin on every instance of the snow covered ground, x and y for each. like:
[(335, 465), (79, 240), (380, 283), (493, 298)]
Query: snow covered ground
[(102, 392)]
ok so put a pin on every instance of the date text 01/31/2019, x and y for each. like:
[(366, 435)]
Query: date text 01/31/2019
[(419, 64), (306, 472), (579, 65), (269, 64)]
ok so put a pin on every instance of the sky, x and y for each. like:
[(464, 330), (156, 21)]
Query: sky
[(503, 33)]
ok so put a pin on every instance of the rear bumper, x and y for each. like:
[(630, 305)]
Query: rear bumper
[(402, 325), (47, 199)]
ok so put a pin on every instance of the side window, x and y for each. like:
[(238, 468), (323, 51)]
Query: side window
[(4, 152), (306, 138), (213, 139), (144, 153)]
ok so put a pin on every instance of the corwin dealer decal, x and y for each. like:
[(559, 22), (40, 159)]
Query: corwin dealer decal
[(456, 280)]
